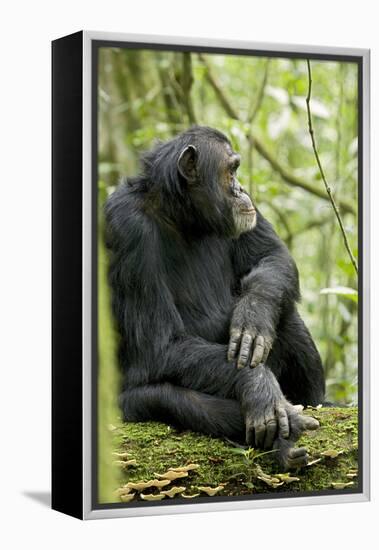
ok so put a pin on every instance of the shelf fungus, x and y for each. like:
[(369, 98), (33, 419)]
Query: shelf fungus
[(211, 491), (171, 475), (331, 453), (122, 491), (160, 496), (173, 491), (341, 485), (141, 485), (186, 468), (127, 497), (271, 481), (287, 478), (122, 456)]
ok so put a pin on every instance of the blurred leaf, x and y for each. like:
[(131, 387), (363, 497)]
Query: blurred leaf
[(344, 291), (108, 167), (238, 451), (277, 124), (279, 94)]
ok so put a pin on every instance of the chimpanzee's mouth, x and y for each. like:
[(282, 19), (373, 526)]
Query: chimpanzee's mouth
[(248, 211)]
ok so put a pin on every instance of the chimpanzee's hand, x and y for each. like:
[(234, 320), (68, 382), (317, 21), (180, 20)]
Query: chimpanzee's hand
[(281, 424), (268, 415), (264, 426), (251, 334)]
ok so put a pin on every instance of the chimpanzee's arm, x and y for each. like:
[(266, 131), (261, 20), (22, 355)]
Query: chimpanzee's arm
[(269, 285)]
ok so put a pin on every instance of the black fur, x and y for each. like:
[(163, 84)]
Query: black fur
[(180, 281)]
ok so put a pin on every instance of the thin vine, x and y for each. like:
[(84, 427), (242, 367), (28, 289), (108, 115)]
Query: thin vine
[(326, 184)]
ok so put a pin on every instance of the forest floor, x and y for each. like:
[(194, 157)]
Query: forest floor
[(155, 459)]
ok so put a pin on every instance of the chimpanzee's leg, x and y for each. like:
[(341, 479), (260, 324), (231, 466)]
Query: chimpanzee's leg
[(296, 362), (217, 416), (184, 408), (195, 387)]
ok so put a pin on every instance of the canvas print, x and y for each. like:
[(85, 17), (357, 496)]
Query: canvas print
[(227, 196)]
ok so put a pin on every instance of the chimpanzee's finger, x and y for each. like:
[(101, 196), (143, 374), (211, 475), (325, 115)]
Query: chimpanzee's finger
[(284, 429), (260, 433), (298, 408), (296, 452), (309, 423), (299, 462), (271, 429), (297, 457), (245, 349), (268, 346), (259, 348), (235, 337)]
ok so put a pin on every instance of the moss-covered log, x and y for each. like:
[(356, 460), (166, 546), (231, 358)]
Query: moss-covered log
[(147, 449)]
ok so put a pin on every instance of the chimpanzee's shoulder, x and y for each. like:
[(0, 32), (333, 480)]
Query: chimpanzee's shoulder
[(126, 220)]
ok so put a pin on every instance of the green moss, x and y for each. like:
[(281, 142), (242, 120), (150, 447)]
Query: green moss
[(157, 447)]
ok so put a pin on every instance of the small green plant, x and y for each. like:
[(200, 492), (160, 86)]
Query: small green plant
[(248, 459)]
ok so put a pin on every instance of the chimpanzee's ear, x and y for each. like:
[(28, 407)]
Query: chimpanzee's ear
[(187, 163)]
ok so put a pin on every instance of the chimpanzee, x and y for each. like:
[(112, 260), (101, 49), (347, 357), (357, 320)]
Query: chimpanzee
[(204, 294)]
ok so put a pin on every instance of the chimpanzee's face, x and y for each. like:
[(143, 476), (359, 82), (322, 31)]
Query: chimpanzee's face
[(210, 169), (244, 213)]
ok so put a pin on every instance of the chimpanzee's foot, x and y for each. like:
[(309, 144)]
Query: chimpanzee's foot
[(289, 456)]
